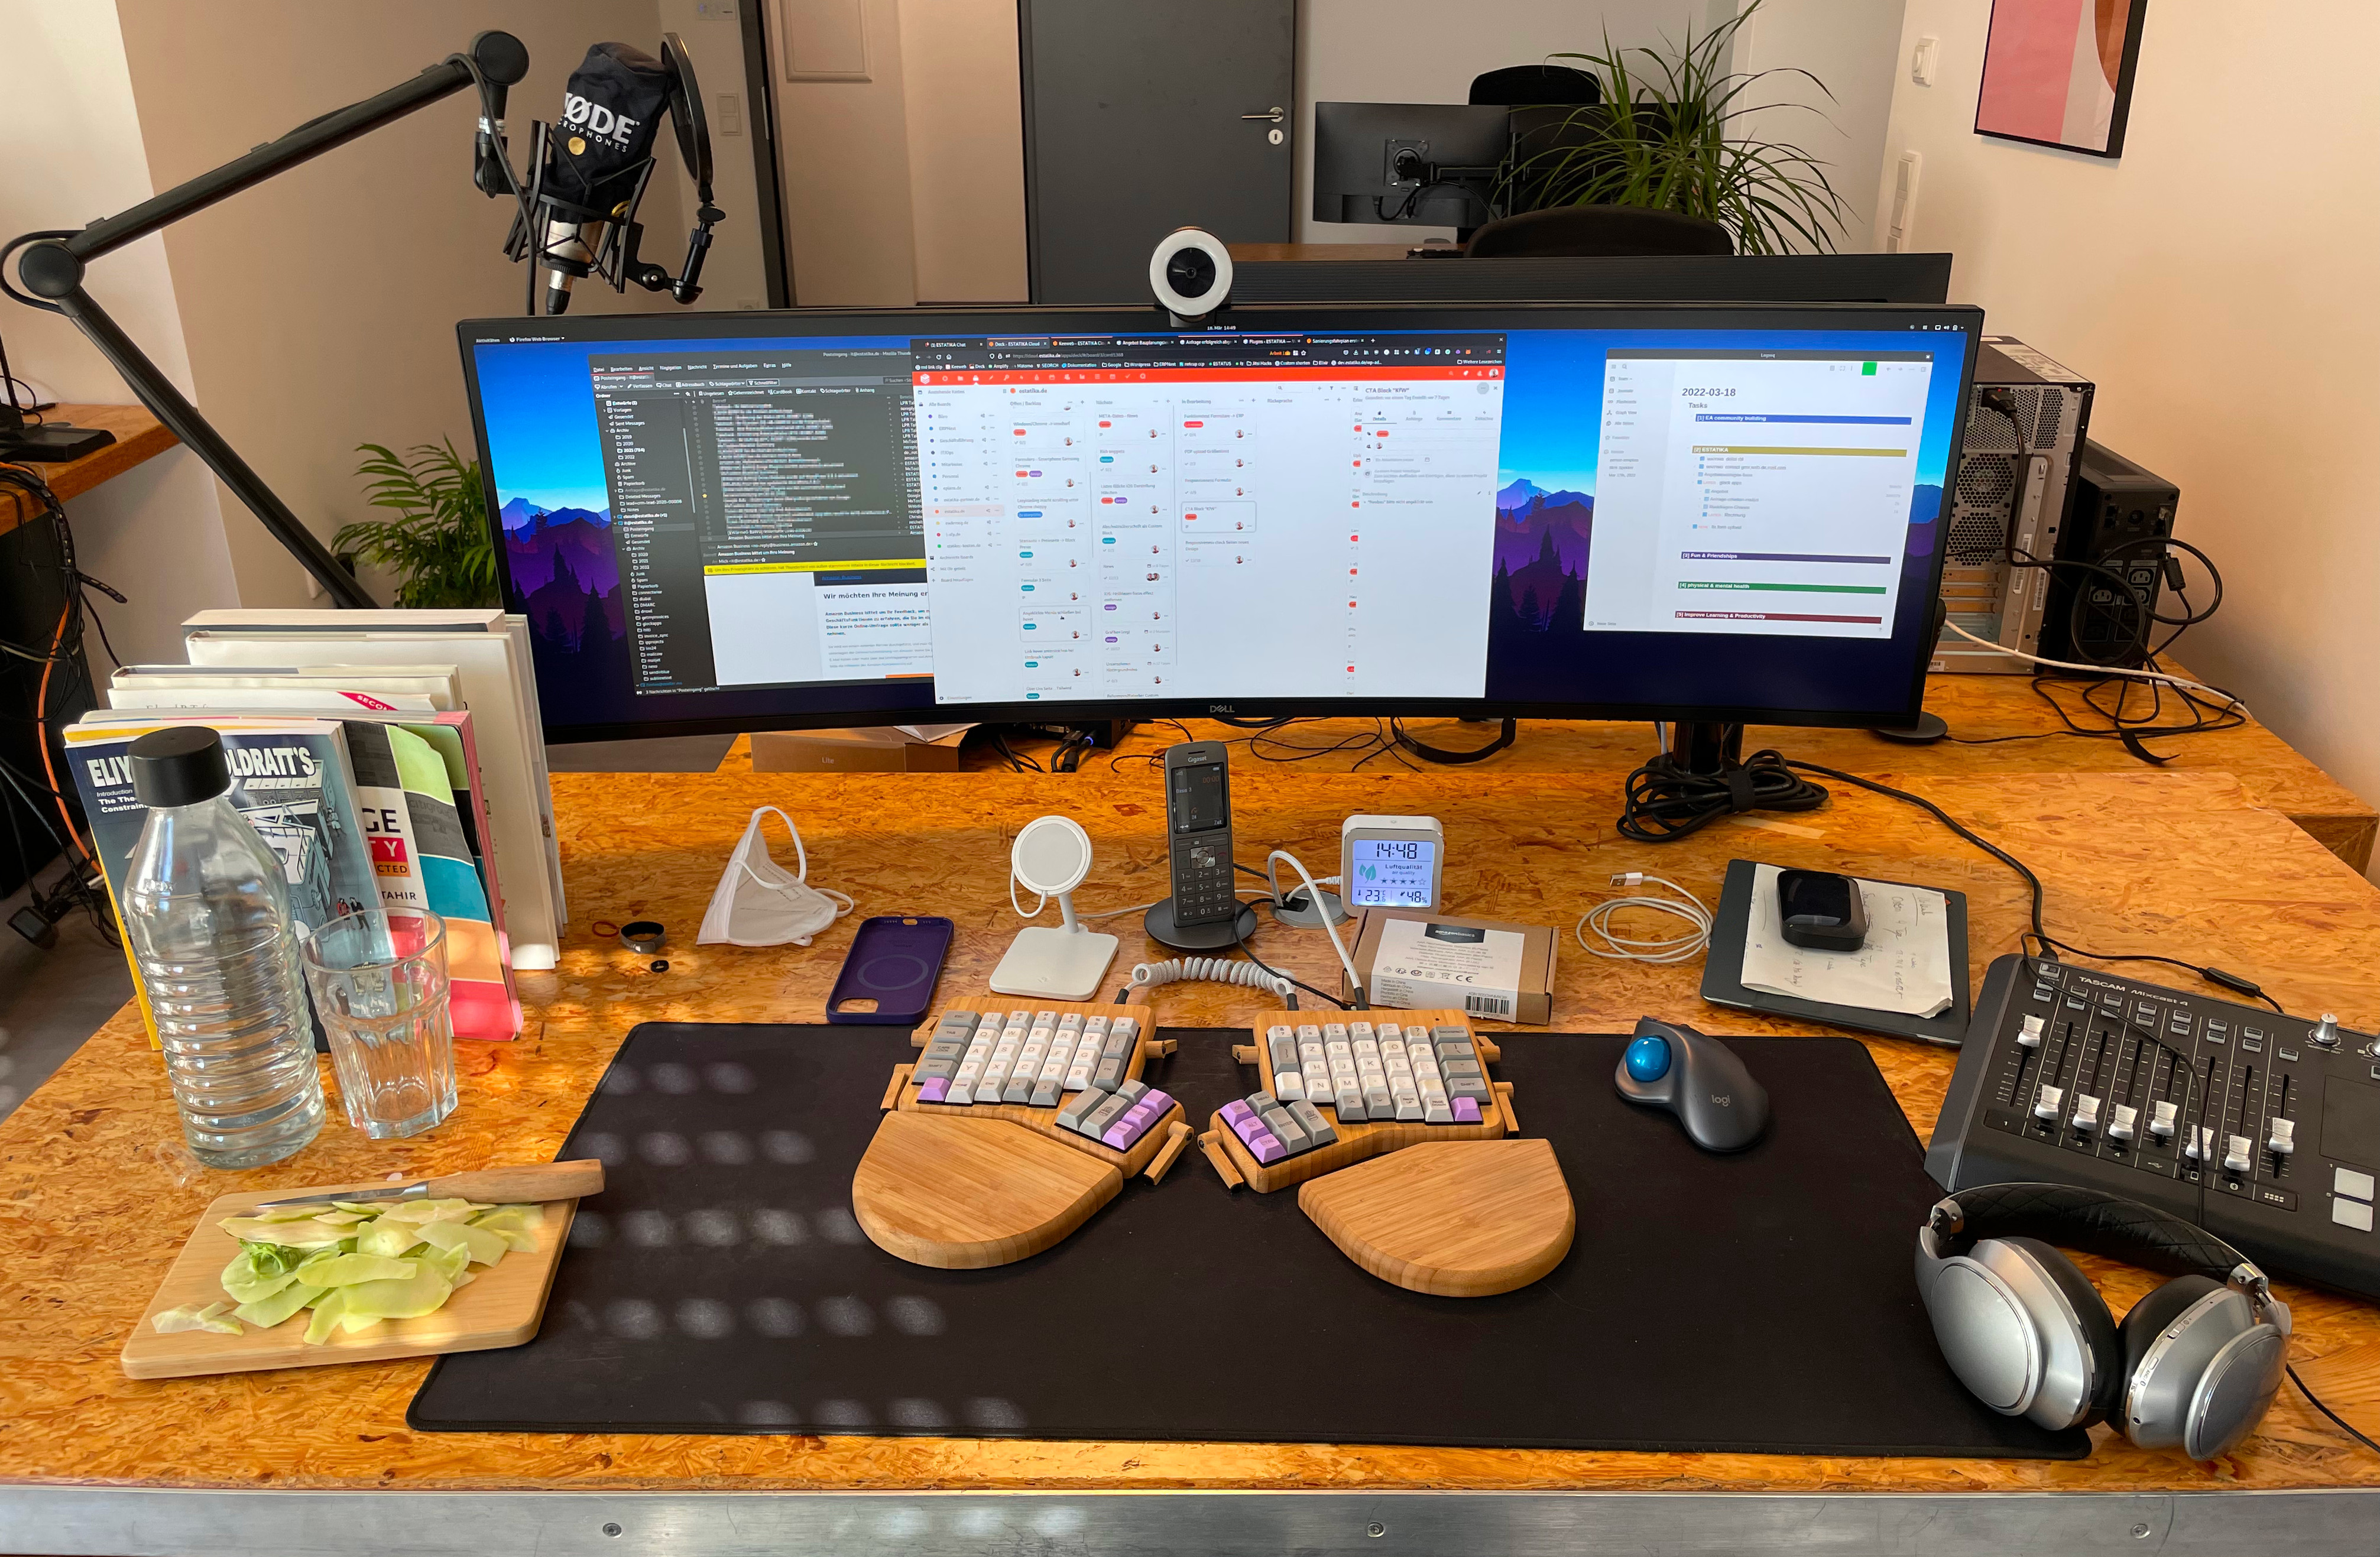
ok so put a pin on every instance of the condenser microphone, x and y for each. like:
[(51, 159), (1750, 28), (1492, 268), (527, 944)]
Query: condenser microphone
[(596, 160)]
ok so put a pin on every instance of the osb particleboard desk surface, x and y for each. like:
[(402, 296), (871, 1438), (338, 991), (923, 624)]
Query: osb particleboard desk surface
[(95, 1192)]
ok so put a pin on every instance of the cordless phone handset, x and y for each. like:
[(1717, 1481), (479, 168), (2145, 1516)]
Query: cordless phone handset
[(1199, 831)]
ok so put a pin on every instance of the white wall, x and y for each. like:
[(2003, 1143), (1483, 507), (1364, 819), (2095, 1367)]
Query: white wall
[(734, 276), (1427, 51), (2216, 283), (1853, 47), (75, 153)]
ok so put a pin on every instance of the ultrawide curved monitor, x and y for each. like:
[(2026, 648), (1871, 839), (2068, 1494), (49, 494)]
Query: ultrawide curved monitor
[(815, 518)]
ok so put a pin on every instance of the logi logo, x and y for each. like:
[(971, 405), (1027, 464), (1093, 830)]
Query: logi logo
[(614, 129)]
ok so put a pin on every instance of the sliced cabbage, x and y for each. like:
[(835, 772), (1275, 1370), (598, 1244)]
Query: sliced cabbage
[(246, 1286), (386, 1238), (326, 1315), (287, 1213), (343, 1219), (516, 1225), (433, 1211), (346, 1270), (266, 1312), (307, 1235), (450, 1263), (423, 1292), (486, 1246), (190, 1316)]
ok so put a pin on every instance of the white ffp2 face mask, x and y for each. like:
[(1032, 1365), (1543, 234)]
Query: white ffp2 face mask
[(759, 905)]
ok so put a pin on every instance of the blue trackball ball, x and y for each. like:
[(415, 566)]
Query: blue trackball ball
[(1648, 1058)]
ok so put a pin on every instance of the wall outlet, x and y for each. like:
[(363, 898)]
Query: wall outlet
[(714, 10), (729, 120), (1923, 58)]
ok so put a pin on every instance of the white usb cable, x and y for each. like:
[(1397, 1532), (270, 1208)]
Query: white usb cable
[(2183, 682), (1630, 948)]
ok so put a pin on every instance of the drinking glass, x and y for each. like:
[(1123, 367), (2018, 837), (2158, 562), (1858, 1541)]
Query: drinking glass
[(378, 983)]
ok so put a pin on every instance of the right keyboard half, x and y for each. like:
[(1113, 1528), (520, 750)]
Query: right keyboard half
[(2264, 1129)]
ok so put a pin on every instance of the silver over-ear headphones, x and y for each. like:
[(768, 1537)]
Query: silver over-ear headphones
[(2194, 1364)]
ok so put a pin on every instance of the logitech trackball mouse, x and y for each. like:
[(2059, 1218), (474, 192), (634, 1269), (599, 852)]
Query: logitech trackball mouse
[(1669, 1064)]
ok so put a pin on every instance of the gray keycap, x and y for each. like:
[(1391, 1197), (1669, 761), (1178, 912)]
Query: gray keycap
[(1110, 1076), (1284, 1048), (1439, 1114), (1409, 1107), (928, 1069), (1350, 1106), (1442, 1034), (942, 1049), (1451, 1068), (1108, 1113), (1071, 1117), (1119, 1044), (1286, 1130), (959, 1022), (1045, 1094), (1128, 1025), (1131, 1092), (1377, 1103), (1466, 1087), (1311, 1120), (1017, 1089)]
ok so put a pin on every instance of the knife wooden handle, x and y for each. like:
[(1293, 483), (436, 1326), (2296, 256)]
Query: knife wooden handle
[(530, 1182)]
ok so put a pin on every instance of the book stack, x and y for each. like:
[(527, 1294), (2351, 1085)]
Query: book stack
[(393, 758)]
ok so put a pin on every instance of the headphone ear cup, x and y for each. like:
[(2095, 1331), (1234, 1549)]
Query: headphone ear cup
[(2098, 1327), (2153, 1313)]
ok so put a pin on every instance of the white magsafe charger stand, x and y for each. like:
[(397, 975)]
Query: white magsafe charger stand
[(1051, 856)]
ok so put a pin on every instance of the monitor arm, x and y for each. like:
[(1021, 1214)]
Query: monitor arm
[(54, 262)]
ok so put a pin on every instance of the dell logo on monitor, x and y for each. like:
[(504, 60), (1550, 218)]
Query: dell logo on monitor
[(1219, 708)]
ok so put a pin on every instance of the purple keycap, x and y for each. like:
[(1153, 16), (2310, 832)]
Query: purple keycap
[(1124, 1132), (1267, 1146), (935, 1090), (1236, 1111), (1156, 1103), (1466, 1111), (1139, 1115), (1248, 1129)]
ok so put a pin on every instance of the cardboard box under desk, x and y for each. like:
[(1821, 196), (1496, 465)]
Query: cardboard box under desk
[(884, 750), (1535, 1005)]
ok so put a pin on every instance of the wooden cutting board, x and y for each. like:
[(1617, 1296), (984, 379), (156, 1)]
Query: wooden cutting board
[(501, 1308)]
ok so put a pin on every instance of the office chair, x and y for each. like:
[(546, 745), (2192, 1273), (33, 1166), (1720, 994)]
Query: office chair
[(1525, 85), (1598, 230)]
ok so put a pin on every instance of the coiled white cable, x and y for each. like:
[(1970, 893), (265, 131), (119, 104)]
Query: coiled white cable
[(1630, 948), (1216, 970)]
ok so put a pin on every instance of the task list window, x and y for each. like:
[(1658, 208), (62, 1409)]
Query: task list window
[(1754, 491)]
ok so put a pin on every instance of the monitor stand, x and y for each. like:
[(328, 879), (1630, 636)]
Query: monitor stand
[(1054, 964), (1218, 937)]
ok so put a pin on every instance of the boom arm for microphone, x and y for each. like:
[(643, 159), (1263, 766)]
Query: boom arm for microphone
[(578, 215)]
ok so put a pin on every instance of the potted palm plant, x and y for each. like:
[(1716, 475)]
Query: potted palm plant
[(439, 543), (1674, 132)]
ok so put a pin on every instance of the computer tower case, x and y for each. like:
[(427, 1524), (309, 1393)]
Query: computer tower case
[(2025, 426), (2121, 519)]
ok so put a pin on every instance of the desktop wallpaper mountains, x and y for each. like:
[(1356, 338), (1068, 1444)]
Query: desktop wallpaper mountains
[(565, 579)]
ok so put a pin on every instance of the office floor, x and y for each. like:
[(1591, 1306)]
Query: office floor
[(50, 1001)]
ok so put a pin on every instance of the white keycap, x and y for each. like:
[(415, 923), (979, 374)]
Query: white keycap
[(1438, 1111), (1289, 1086)]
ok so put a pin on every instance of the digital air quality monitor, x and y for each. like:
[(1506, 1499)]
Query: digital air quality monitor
[(1390, 861)]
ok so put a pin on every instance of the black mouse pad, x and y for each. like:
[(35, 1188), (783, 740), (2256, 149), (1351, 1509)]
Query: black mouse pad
[(1761, 1303)]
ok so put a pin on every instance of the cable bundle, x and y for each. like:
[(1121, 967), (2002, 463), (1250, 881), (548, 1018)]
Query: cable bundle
[(1665, 801)]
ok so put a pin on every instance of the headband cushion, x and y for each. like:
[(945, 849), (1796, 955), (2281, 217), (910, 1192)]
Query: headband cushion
[(2098, 1326), (2097, 1223)]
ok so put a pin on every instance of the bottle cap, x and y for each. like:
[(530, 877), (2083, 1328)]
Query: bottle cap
[(179, 765)]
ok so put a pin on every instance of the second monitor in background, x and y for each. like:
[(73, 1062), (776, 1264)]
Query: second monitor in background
[(1431, 164)]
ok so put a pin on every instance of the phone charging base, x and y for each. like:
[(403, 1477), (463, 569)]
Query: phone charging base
[(1052, 963), (1219, 936), (1297, 909)]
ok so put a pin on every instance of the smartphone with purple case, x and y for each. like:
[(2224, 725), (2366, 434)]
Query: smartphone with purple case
[(888, 976)]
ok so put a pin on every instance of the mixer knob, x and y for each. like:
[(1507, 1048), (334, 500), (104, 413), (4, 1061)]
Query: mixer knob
[(2046, 1105), (2284, 1138), (2202, 1144), (2238, 1154), (2161, 1120), (2121, 1123), (2086, 1112), (2029, 1033), (2325, 1032)]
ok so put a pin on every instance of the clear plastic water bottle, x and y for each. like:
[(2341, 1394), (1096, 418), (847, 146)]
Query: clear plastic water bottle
[(207, 912)]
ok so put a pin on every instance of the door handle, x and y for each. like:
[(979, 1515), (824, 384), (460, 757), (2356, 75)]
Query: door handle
[(1274, 115)]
